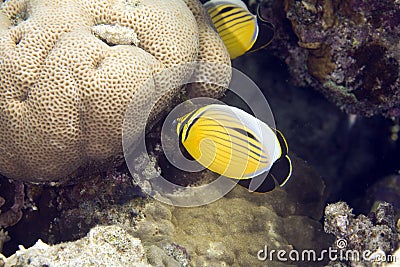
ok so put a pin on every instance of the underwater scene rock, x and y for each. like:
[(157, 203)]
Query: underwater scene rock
[(371, 239), (348, 50), (228, 232), (103, 246)]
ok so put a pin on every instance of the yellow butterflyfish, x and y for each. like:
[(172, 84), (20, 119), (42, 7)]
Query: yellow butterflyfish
[(235, 144), (240, 30)]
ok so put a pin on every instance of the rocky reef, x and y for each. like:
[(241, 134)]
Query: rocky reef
[(103, 246), (362, 240), (348, 50), (228, 232)]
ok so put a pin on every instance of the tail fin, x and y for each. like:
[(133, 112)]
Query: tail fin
[(266, 32), (278, 175), (282, 170)]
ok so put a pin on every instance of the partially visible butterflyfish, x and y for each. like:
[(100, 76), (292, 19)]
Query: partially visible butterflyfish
[(235, 144), (240, 30)]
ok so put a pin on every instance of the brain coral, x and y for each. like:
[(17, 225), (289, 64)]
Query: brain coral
[(68, 69)]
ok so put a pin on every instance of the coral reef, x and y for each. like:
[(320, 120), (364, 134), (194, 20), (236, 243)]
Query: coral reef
[(375, 235), (103, 246), (347, 50), (228, 232), (70, 68)]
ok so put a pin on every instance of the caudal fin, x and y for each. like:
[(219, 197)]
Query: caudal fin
[(278, 175), (282, 170)]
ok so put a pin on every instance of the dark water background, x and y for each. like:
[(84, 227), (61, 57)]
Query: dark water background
[(350, 158)]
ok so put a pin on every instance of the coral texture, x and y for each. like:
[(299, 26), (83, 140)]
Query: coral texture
[(69, 69)]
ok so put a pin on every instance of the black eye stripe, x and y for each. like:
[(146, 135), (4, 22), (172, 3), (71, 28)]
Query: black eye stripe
[(189, 127), (191, 124), (184, 122)]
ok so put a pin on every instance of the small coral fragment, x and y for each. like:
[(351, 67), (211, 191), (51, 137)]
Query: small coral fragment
[(115, 34)]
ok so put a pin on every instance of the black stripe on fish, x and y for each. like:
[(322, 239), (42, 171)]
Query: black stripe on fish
[(233, 159), (231, 17), (183, 124), (233, 25), (244, 132), (260, 157), (198, 116), (237, 137), (223, 10), (222, 160)]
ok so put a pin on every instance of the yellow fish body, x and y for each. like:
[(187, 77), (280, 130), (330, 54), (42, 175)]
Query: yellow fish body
[(238, 27), (231, 142)]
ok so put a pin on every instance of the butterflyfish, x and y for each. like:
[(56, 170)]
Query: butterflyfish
[(240, 30), (235, 144)]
